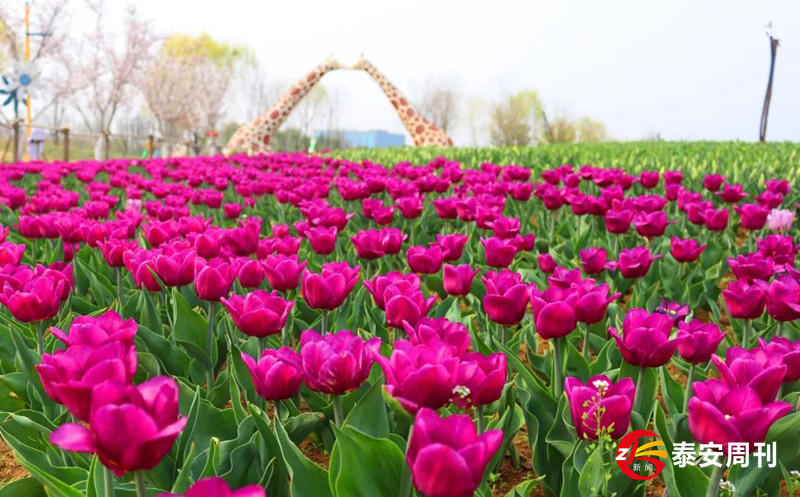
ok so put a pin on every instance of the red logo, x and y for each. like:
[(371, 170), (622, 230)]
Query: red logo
[(633, 457)]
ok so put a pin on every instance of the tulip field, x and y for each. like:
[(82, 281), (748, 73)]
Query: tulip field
[(580, 320)]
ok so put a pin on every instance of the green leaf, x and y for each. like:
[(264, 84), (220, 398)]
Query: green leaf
[(525, 489), (688, 481), (592, 475), (365, 465), (26, 487), (784, 433), (369, 416), (307, 479)]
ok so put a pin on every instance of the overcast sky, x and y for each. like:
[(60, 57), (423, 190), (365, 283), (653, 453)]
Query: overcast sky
[(685, 69)]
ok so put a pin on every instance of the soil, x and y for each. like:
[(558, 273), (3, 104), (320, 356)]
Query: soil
[(10, 470)]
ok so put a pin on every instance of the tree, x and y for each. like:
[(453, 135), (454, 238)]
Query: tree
[(315, 106), (439, 104), (47, 16), (561, 130), (104, 70), (517, 121), (590, 130), (186, 85), (475, 117)]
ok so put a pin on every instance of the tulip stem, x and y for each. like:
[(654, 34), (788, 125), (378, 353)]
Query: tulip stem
[(557, 369), (780, 329), (40, 337), (141, 488), (746, 334), (586, 352), (688, 394), (210, 344), (324, 324), (481, 420), (108, 478), (637, 399), (406, 482), (118, 272), (713, 482), (338, 413)]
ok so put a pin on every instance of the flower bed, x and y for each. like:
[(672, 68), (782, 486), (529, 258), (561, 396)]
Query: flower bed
[(314, 326)]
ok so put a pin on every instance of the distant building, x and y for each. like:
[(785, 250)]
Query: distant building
[(375, 138)]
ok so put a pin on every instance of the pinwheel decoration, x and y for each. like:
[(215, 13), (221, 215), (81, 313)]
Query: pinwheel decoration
[(18, 84)]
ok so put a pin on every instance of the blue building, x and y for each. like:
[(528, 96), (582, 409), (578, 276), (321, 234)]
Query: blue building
[(375, 138)]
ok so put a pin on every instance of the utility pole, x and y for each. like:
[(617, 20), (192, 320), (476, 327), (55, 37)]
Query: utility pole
[(773, 47), (27, 59)]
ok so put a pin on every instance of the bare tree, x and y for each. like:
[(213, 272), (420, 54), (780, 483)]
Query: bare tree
[(186, 85), (47, 19), (169, 90), (439, 103), (106, 69), (312, 109), (50, 21)]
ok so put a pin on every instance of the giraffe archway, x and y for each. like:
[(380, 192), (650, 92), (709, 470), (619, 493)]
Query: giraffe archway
[(256, 136)]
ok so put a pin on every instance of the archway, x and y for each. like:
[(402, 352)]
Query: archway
[(256, 136)]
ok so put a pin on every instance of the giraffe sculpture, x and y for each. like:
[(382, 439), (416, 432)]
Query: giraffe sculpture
[(424, 132), (256, 136)]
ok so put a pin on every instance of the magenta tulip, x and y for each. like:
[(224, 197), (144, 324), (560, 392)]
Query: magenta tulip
[(651, 224), (645, 339), (480, 379), (217, 487), (69, 376), (377, 285), (687, 250), (593, 260), (283, 271), (213, 278), (701, 341), (328, 290), (259, 314), (457, 280), (452, 245), (275, 375), (752, 216), (506, 297), (554, 312), (130, 428), (783, 298), (741, 369), (635, 262), (744, 300), (97, 331), (722, 413), (546, 263), (430, 331), (406, 303), (499, 253), (420, 375), (618, 221), (337, 362), (425, 260), (716, 219), (37, 299), (322, 240), (600, 406), (446, 455)]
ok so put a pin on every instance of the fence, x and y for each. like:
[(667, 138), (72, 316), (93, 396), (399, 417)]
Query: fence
[(65, 144)]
